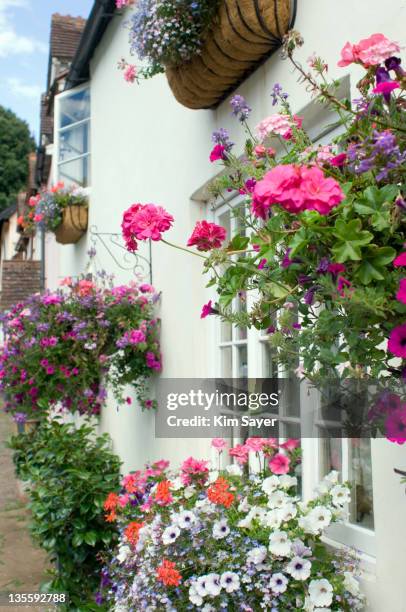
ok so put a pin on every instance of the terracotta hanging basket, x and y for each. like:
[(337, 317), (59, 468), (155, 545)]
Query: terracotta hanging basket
[(73, 226), (245, 34)]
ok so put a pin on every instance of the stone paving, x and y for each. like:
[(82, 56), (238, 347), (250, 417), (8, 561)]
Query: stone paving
[(22, 564)]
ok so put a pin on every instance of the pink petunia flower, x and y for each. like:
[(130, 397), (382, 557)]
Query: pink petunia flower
[(386, 87), (290, 444), (400, 260), (218, 152), (219, 444), (401, 294), (395, 426), (279, 464), (338, 160), (207, 236), (207, 310), (397, 341)]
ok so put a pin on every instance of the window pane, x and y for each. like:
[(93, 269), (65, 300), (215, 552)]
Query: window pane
[(289, 430), (227, 362), (330, 456), (75, 172), (226, 331), (360, 476), (225, 221), (268, 368), (74, 142), (242, 362), (75, 107)]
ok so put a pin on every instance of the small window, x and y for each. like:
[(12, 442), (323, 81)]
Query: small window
[(73, 137)]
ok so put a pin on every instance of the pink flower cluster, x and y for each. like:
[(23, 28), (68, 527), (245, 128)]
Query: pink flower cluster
[(279, 463), (397, 338), (123, 3), (193, 469), (207, 236), (369, 52), (296, 189), (144, 222), (281, 125), (130, 73)]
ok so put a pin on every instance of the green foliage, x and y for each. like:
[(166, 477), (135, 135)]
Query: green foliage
[(71, 471), (15, 145)]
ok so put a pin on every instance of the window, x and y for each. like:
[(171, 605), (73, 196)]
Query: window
[(73, 137)]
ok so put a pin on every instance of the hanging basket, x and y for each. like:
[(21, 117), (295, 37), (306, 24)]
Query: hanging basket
[(244, 35), (73, 226)]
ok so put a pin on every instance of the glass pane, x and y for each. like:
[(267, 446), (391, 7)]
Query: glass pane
[(227, 362), (225, 221), (74, 142), (268, 369), (226, 331), (75, 107), (330, 456), (290, 396), (75, 172), (289, 430), (360, 476), (242, 362)]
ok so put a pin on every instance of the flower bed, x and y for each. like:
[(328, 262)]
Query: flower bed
[(206, 48), (202, 540), (63, 348)]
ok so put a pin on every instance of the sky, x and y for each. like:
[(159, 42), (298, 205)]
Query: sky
[(24, 44)]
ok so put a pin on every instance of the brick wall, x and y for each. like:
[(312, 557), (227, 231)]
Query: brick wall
[(20, 278)]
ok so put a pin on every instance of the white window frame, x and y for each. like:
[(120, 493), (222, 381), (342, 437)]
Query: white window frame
[(58, 130)]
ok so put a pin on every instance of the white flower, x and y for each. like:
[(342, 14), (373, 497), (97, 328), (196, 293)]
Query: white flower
[(205, 506), (257, 513), (244, 505), (332, 477), (176, 484), (286, 481), (213, 586), (230, 581), (270, 484), (200, 586), (272, 519), (318, 519), (279, 544), (194, 596), (189, 491), (221, 529), (234, 470), (321, 593), (351, 584), (287, 513), (341, 495), (277, 499), (208, 608), (123, 554), (170, 534), (328, 481), (278, 583), (186, 519), (257, 555), (299, 568)]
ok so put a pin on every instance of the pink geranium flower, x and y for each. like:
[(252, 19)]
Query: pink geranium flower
[(290, 444), (401, 294), (397, 341), (278, 124), (130, 73), (207, 236), (193, 467), (400, 260), (279, 464), (219, 444), (369, 52), (255, 444), (144, 222), (240, 453)]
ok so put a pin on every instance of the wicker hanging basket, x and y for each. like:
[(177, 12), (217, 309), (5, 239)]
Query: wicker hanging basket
[(73, 226), (245, 34)]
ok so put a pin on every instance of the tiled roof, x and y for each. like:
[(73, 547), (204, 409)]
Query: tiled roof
[(65, 35)]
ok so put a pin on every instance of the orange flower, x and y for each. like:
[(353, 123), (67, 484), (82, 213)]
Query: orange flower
[(168, 574), (218, 493), (111, 516), (130, 482), (20, 220), (163, 494), (111, 502), (132, 532)]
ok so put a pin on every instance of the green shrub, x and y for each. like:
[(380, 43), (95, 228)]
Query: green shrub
[(71, 471)]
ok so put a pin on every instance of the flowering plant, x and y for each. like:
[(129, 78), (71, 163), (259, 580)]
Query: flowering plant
[(47, 206), (321, 227), (214, 540), (166, 33), (61, 348)]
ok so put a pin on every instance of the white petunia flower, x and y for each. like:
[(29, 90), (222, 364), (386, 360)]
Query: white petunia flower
[(234, 470), (244, 505), (194, 596), (321, 593), (205, 506), (186, 519), (299, 568), (272, 519), (213, 586), (318, 519), (221, 529), (200, 586), (208, 608), (176, 484), (257, 555), (189, 492), (170, 534), (332, 477), (123, 554), (256, 513), (278, 583), (277, 499), (286, 481), (351, 584), (279, 544), (270, 484), (341, 495), (287, 512), (230, 582)]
